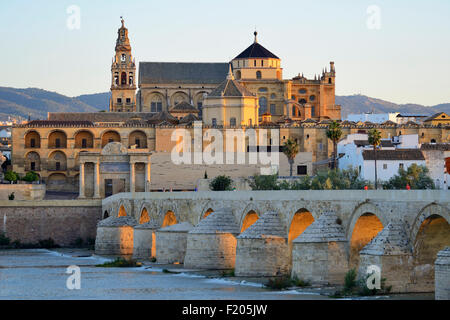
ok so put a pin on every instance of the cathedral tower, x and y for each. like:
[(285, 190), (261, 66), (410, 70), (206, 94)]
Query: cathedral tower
[(123, 74)]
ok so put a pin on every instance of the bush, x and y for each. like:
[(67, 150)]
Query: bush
[(417, 177), (350, 280), (4, 240), (279, 283), (120, 263), (260, 182), (47, 244), (11, 196), (31, 176), (300, 282), (221, 183), (11, 176)]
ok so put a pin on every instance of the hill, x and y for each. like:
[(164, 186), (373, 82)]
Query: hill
[(37, 103)]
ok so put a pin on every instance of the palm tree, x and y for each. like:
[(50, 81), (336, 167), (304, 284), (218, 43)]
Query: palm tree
[(290, 149), (375, 141), (334, 133)]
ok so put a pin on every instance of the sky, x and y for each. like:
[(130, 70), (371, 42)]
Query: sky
[(396, 50)]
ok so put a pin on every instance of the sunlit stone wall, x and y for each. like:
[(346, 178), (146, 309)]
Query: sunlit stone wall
[(115, 236), (171, 243)]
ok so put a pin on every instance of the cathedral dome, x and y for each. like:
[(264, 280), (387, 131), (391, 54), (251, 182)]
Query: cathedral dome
[(256, 51)]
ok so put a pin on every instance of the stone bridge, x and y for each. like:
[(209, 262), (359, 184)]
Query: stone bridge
[(415, 227)]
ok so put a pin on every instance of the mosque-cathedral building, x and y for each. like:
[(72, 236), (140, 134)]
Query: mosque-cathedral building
[(67, 149)]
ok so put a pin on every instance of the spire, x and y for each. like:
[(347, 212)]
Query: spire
[(230, 75), (123, 22), (256, 36)]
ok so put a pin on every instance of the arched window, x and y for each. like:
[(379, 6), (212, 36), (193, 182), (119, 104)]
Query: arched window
[(262, 105), (302, 101), (273, 96), (238, 75), (293, 111), (123, 78), (312, 98), (233, 122), (433, 141), (329, 81), (156, 104), (258, 75), (302, 91)]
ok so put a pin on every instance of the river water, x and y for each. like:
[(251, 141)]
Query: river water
[(41, 274)]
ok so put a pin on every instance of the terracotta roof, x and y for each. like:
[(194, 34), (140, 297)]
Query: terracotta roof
[(182, 73), (398, 154), (435, 146), (56, 123), (163, 117), (183, 107), (434, 116), (389, 123), (384, 143), (189, 119)]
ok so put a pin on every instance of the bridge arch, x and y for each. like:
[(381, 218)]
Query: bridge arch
[(248, 219), (169, 219), (124, 209), (105, 214), (298, 222), (366, 222), (429, 235), (207, 213)]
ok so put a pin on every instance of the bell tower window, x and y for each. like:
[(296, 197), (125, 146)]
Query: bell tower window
[(258, 74), (123, 78), (123, 58)]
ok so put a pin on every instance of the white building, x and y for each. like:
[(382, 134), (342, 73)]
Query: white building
[(373, 117), (355, 151), (437, 157)]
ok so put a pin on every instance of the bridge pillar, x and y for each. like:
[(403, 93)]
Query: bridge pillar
[(390, 251), (115, 236), (320, 254), (212, 243), (442, 275), (262, 249), (172, 243), (144, 240)]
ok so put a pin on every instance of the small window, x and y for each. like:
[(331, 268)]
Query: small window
[(84, 143), (433, 141), (272, 108), (273, 96), (385, 166), (302, 170), (137, 142), (33, 143), (312, 98), (214, 122), (33, 166), (258, 75), (128, 100), (119, 100), (57, 143), (262, 89), (302, 91), (329, 81), (58, 166), (233, 122), (401, 166), (313, 111)]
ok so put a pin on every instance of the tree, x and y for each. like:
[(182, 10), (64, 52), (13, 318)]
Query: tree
[(417, 177), (375, 141), (221, 183), (31, 176), (264, 182), (334, 133), (11, 176), (291, 149)]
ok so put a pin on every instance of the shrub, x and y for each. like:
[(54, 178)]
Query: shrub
[(153, 259), (31, 176), (120, 263), (11, 176), (417, 177), (47, 244), (4, 240), (263, 182), (300, 282), (11, 196), (279, 283), (350, 280), (221, 183)]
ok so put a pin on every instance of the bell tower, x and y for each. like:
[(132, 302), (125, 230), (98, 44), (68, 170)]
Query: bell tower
[(123, 75)]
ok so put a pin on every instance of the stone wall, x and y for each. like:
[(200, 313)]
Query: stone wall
[(442, 278), (22, 191), (62, 220)]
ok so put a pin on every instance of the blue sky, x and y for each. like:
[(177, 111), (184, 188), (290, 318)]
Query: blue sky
[(406, 60)]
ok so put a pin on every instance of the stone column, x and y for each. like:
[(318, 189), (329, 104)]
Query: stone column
[(147, 176), (97, 178), (81, 182), (132, 177)]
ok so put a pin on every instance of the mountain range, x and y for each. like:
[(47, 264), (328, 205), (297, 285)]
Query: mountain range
[(36, 103)]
